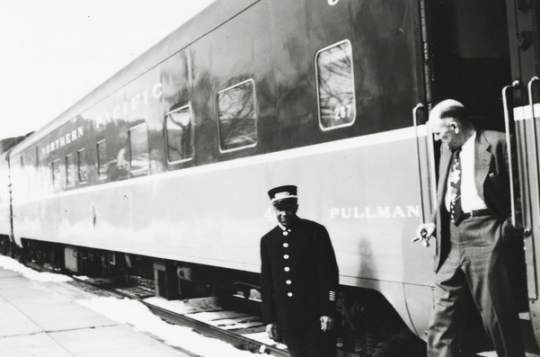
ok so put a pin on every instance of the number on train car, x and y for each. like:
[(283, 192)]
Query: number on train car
[(335, 86)]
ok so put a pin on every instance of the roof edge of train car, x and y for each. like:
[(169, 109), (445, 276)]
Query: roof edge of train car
[(208, 19)]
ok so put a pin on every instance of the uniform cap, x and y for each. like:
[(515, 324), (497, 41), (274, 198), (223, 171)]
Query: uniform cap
[(283, 194)]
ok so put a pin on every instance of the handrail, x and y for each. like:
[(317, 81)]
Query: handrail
[(514, 85), (533, 117), (415, 124)]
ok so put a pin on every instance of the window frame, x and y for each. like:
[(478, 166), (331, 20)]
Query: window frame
[(318, 90), (256, 116), (188, 106)]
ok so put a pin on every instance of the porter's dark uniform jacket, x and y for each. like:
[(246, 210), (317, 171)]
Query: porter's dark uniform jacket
[(299, 275)]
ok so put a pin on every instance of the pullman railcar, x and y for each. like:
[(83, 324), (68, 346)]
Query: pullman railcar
[(163, 170)]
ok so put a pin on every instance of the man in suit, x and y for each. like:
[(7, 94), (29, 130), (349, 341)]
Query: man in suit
[(474, 262), (299, 278)]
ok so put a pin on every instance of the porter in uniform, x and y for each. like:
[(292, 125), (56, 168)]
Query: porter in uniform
[(299, 279)]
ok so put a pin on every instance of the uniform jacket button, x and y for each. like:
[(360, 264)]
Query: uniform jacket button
[(286, 256), (289, 294)]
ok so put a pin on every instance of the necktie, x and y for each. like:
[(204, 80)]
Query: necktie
[(455, 183)]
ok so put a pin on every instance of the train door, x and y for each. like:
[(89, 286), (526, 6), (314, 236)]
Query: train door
[(485, 54), (522, 94)]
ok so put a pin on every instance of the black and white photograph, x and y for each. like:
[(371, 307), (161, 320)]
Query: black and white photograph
[(233, 178)]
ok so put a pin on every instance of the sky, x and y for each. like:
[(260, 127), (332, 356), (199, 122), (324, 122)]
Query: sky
[(54, 52)]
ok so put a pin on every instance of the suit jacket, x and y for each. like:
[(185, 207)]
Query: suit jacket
[(491, 180), (299, 275)]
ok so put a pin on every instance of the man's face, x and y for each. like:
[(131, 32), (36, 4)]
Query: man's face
[(286, 213), (444, 130)]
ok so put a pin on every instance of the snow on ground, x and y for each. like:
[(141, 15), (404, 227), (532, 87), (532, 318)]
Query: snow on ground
[(142, 319), (13, 265), (134, 313)]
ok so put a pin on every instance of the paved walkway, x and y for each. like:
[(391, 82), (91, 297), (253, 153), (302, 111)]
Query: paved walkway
[(43, 320)]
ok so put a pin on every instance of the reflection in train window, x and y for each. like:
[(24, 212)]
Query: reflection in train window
[(81, 156), (138, 144), (179, 129), (237, 117), (70, 170), (56, 175), (102, 159), (335, 86)]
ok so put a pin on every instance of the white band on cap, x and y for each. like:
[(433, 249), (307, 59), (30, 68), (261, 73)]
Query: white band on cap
[(280, 196)]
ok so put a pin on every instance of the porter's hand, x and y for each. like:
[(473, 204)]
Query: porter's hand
[(327, 323), (271, 330)]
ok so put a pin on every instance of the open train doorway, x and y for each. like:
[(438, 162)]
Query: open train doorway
[(469, 56), (475, 49)]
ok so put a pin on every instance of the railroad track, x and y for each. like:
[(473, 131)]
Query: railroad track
[(226, 319)]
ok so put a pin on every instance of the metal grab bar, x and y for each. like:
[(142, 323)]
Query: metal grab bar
[(415, 124), (533, 117), (514, 85)]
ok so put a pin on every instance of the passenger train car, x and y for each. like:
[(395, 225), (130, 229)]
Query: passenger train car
[(163, 169)]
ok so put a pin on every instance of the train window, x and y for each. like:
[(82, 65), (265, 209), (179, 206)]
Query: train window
[(102, 159), (138, 144), (237, 117), (179, 129), (81, 158), (56, 175), (70, 170), (335, 86)]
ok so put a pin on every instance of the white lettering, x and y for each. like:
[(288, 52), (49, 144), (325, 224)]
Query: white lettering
[(80, 131), (413, 211), (383, 211), (375, 212), (107, 117), (68, 138), (135, 101), (62, 141), (356, 215), (116, 112), (74, 134), (369, 214), (346, 212), (399, 212), (145, 97), (157, 90)]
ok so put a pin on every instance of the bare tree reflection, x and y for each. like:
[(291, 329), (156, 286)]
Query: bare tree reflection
[(237, 117), (336, 86)]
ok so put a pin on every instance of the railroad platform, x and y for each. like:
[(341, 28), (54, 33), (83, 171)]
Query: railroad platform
[(43, 319)]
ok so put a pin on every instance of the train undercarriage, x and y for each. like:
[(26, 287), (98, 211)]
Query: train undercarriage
[(367, 325)]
